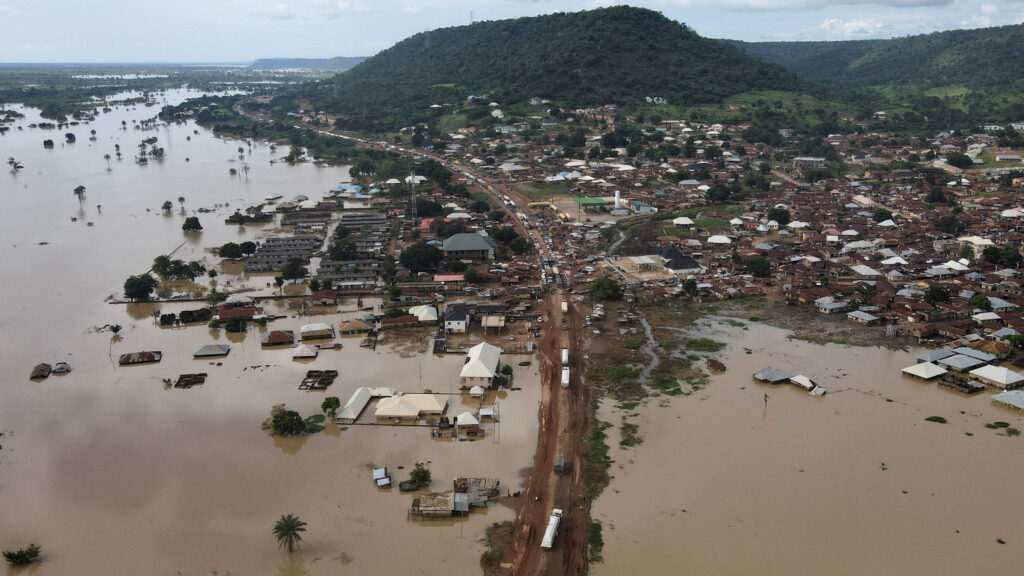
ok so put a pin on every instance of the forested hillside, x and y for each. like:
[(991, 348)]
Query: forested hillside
[(611, 55), (982, 58)]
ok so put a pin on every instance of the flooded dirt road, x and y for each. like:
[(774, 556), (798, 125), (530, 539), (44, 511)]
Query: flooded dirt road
[(113, 473), (727, 482)]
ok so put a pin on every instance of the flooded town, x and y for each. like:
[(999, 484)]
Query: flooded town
[(244, 335)]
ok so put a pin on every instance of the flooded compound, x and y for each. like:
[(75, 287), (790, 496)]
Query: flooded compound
[(743, 477), (113, 470)]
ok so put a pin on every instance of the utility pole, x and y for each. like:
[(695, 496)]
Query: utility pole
[(412, 196)]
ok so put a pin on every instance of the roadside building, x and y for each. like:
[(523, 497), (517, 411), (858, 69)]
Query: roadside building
[(481, 365)]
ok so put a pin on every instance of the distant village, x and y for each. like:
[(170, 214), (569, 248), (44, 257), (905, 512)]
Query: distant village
[(917, 237)]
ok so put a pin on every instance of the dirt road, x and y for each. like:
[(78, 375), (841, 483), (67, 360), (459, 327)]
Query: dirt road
[(564, 415)]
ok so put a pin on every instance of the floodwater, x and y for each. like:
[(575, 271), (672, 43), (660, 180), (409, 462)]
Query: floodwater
[(854, 482), (111, 472)]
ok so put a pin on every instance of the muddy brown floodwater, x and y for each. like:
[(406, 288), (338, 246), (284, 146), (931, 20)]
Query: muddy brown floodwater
[(855, 482), (113, 473)]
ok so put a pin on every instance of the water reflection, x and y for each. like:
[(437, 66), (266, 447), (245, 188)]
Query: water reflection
[(293, 564), (290, 444), (142, 310)]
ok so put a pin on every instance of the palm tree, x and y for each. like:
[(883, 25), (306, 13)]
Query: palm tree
[(79, 191), (107, 158), (287, 529)]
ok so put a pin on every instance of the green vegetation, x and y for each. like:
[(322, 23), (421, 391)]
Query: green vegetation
[(596, 461), (630, 434), (288, 531), (176, 269), (330, 405), (617, 54), (595, 541), (950, 79), (139, 287), (421, 257), (936, 419), (498, 536), (235, 324), (420, 476), (294, 269), (231, 251), (633, 343), (703, 344), (283, 422), (23, 556), (192, 224), (314, 424), (605, 288)]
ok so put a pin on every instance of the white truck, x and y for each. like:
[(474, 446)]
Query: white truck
[(565, 306), (552, 529), (565, 356), (565, 377)]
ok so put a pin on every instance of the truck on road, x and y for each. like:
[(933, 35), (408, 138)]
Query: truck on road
[(565, 306), (565, 377), (565, 356), (552, 529)]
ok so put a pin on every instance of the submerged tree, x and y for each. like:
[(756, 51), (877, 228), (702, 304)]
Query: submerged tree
[(23, 556), (288, 531), (192, 224), (79, 191), (139, 287)]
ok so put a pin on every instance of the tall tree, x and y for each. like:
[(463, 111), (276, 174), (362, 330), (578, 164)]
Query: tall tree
[(288, 531)]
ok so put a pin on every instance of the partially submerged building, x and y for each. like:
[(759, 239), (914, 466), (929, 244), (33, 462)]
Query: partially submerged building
[(481, 365)]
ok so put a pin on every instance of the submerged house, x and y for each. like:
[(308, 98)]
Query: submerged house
[(481, 365)]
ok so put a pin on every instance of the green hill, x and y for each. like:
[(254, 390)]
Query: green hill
[(615, 55), (983, 57)]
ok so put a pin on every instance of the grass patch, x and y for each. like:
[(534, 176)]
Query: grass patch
[(541, 191), (630, 434), (596, 460), (633, 343), (711, 223), (314, 423), (595, 541), (1012, 432), (618, 381), (484, 196), (936, 419), (997, 425), (499, 537), (704, 344), (666, 385)]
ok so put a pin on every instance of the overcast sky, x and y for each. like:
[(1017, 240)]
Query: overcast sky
[(242, 30)]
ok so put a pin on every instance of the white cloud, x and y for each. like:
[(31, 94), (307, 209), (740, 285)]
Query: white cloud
[(318, 9), (8, 10), (876, 27), (795, 5)]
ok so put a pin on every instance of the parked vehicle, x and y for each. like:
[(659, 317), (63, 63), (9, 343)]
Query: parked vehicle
[(552, 529)]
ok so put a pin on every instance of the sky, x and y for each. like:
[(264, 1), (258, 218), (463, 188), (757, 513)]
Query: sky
[(243, 30)]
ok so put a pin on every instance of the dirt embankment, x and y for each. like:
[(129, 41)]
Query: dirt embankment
[(564, 418)]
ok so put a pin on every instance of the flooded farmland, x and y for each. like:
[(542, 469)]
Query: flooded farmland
[(112, 471), (729, 481)]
